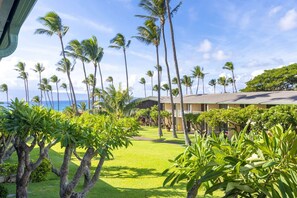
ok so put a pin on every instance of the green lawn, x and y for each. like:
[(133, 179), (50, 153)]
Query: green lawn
[(134, 172)]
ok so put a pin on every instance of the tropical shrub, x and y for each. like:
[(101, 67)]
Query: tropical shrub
[(3, 191), (42, 171), (245, 166), (7, 169)]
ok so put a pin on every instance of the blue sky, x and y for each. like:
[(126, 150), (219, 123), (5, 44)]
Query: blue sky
[(254, 35)]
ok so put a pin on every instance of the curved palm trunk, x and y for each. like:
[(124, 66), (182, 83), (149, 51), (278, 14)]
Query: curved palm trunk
[(197, 85), (69, 79), (187, 139), (27, 83), (224, 88), (144, 90), (94, 85), (169, 82), (46, 103), (159, 95), (87, 86), (40, 89), (234, 84), (203, 85), (68, 96), (58, 96), (7, 97), (100, 73), (49, 99), (126, 67), (52, 99), (152, 86), (214, 89)]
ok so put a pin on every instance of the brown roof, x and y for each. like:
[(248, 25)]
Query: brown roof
[(272, 97)]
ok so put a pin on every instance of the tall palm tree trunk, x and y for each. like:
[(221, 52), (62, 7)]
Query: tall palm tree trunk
[(224, 88), (144, 90), (87, 86), (40, 89), (49, 99), (27, 83), (197, 86), (234, 84), (187, 139), (126, 67), (159, 95), (58, 96), (68, 75), (25, 90), (52, 99), (7, 97), (100, 73), (68, 96), (169, 82), (94, 86), (46, 103), (152, 86)]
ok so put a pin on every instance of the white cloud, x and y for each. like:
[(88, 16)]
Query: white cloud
[(289, 21), (141, 55), (274, 10), (206, 56), (220, 55), (193, 15), (205, 46), (257, 72), (84, 21)]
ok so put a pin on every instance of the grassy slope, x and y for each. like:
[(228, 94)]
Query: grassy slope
[(134, 172)]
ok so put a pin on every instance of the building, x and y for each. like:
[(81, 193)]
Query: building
[(12, 16), (199, 103)]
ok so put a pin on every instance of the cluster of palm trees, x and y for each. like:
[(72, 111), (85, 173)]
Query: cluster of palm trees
[(188, 81), (158, 12)]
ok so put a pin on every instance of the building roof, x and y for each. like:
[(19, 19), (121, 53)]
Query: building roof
[(12, 15), (267, 98)]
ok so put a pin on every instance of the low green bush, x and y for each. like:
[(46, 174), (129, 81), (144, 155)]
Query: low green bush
[(3, 192), (42, 171), (7, 169)]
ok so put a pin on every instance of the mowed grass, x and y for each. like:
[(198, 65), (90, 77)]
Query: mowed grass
[(135, 171)]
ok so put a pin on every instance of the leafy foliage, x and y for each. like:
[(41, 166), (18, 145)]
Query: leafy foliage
[(7, 169), (245, 166), (3, 191), (278, 79), (42, 171)]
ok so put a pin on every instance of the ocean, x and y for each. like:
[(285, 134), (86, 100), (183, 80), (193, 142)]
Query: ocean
[(62, 104)]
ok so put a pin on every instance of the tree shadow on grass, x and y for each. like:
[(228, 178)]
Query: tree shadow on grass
[(170, 141), (128, 172)]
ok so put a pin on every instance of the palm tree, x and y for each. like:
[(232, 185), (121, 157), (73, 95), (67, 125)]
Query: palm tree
[(174, 80), (64, 86), (109, 79), (64, 66), (196, 73), (187, 139), (94, 54), (36, 99), (188, 82), (116, 101), (150, 34), (119, 42), (155, 88), (213, 83), (50, 89), (39, 68), (43, 89), (20, 67), (56, 80), (202, 78), (223, 81), (175, 92), (45, 86), (166, 88), (4, 88), (54, 25), (75, 50), (150, 74), (157, 10), (230, 66), (143, 81)]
